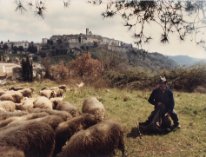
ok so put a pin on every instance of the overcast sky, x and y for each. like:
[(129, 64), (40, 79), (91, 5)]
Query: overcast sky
[(74, 20)]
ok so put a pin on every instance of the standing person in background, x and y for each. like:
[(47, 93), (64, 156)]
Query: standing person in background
[(27, 69)]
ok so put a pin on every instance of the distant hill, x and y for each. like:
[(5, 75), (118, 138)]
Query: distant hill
[(186, 60), (137, 58), (153, 61)]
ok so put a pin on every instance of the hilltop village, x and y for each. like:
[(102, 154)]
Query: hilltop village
[(62, 44)]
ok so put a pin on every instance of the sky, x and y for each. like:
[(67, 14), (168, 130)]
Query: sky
[(80, 15)]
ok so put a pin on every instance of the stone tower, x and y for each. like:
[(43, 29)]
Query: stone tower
[(87, 31)]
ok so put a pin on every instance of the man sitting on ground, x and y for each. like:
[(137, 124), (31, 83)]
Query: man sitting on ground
[(163, 101)]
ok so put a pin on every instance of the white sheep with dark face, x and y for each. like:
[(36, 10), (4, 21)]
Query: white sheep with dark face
[(27, 92), (14, 96), (47, 93)]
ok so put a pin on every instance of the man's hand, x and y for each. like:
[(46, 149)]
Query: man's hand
[(159, 104)]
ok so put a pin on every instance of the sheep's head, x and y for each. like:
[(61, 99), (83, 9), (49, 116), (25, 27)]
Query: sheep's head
[(63, 87), (52, 94), (89, 120), (19, 106), (32, 89), (17, 98)]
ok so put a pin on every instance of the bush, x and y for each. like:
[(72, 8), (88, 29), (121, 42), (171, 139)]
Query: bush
[(59, 72), (189, 80), (85, 67)]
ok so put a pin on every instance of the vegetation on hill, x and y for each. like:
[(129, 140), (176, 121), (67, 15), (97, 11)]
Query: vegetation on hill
[(133, 57), (114, 70)]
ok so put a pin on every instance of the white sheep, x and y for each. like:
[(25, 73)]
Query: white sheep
[(43, 103), (93, 106), (27, 104), (60, 105), (14, 96), (47, 93), (7, 106), (27, 92), (58, 92)]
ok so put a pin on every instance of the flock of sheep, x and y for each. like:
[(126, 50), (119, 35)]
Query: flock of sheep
[(47, 126)]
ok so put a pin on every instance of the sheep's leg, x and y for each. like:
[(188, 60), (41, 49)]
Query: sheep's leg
[(122, 146)]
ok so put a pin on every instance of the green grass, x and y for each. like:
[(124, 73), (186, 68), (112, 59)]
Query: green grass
[(130, 107)]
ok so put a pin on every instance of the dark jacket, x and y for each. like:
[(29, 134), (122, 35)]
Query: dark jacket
[(165, 98)]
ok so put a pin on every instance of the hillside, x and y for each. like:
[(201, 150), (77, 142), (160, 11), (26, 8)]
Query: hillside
[(105, 48), (136, 58)]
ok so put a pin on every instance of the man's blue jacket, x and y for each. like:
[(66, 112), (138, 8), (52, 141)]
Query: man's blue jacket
[(165, 98)]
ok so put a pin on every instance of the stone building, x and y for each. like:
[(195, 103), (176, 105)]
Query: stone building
[(73, 41)]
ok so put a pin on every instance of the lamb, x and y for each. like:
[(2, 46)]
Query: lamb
[(100, 140), (7, 106), (66, 129), (47, 93), (93, 106), (43, 103), (14, 96), (27, 104), (65, 106), (57, 91), (34, 139)]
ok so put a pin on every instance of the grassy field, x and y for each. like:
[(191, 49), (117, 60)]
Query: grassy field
[(130, 107)]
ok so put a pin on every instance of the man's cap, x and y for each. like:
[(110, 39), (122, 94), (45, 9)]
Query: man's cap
[(162, 79)]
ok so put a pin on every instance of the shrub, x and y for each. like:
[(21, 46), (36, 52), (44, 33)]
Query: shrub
[(59, 72), (85, 67)]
